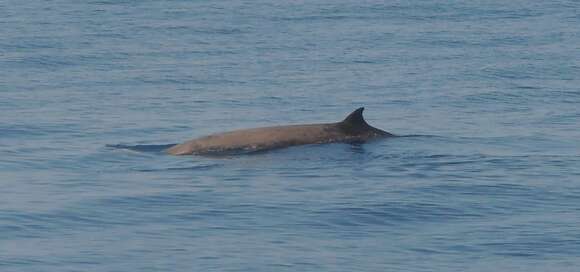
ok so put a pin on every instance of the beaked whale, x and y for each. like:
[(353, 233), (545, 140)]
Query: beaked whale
[(352, 129)]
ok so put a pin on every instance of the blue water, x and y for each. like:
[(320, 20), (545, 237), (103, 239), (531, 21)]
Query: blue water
[(486, 93)]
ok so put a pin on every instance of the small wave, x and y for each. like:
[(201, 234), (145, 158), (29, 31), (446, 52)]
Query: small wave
[(394, 213), (142, 148), (187, 168), (418, 136)]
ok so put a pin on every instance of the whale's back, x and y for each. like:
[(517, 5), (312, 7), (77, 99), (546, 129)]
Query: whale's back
[(257, 139), (352, 128)]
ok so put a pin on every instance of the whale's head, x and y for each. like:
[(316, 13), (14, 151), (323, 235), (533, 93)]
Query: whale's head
[(355, 126)]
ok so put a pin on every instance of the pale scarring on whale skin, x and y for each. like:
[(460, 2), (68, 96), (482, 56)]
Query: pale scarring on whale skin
[(352, 129)]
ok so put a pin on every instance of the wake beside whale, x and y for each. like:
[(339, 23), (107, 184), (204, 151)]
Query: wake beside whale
[(352, 129)]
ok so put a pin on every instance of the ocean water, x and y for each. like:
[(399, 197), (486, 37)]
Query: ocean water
[(485, 94)]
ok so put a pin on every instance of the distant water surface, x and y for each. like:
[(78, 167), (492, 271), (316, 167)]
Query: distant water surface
[(486, 93)]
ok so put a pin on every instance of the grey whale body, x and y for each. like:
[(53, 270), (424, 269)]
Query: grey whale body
[(352, 129)]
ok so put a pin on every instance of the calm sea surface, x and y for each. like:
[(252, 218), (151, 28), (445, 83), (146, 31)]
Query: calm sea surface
[(485, 93)]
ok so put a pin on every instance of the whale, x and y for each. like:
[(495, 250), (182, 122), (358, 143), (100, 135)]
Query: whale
[(353, 129)]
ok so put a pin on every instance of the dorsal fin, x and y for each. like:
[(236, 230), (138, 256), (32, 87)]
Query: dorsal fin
[(355, 117), (354, 122)]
